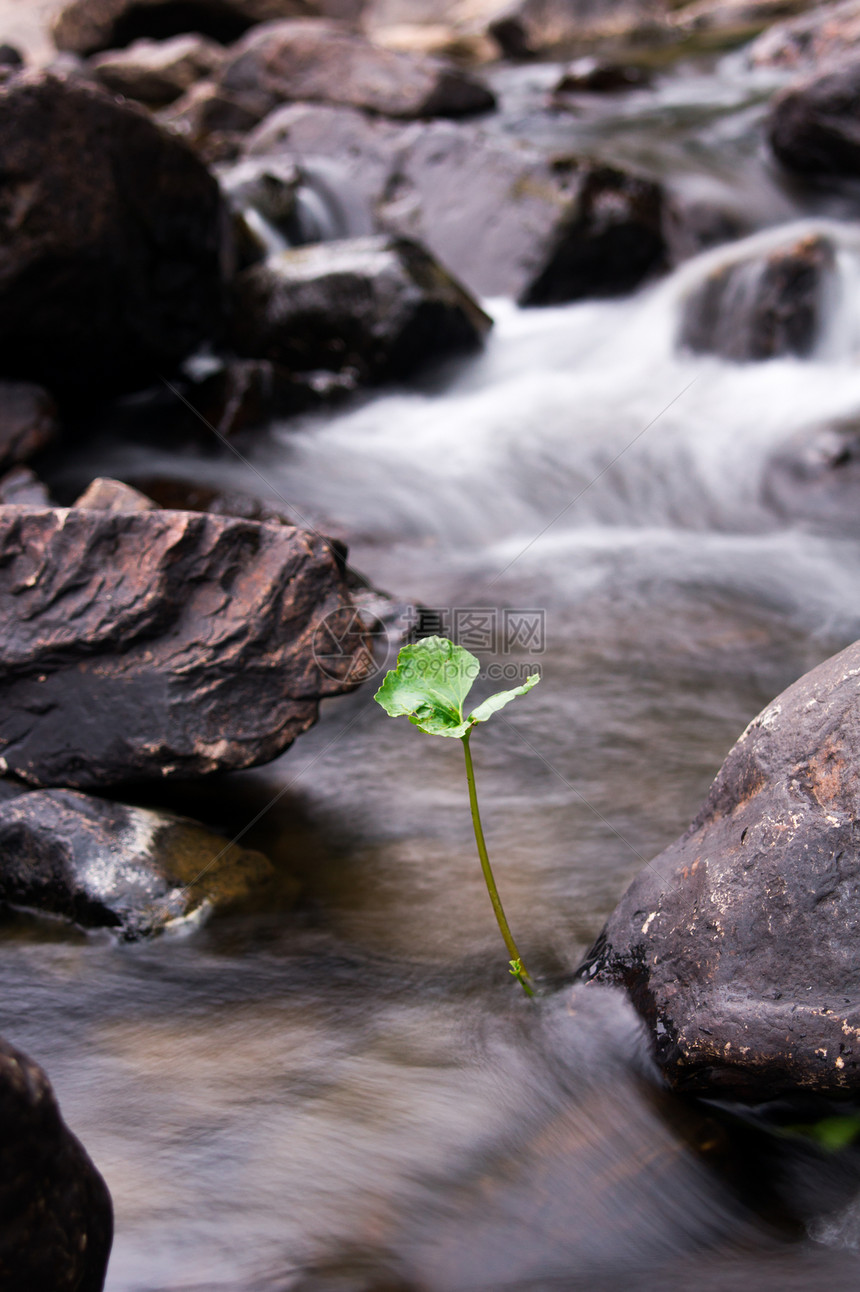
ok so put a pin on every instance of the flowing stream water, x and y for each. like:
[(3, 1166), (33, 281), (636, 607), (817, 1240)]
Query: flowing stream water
[(344, 1090)]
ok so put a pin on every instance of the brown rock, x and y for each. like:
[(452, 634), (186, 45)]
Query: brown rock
[(108, 865), (56, 1218), (154, 644), (319, 62), (112, 234), (28, 421), (813, 125), (157, 72), (761, 306), (104, 494), (738, 944), (527, 27), (89, 26), (379, 307)]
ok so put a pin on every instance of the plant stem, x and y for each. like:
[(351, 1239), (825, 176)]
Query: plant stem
[(518, 968)]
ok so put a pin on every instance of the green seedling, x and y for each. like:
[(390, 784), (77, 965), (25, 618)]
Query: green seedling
[(429, 687)]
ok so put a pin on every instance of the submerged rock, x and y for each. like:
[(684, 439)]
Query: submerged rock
[(107, 865), (813, 126), (738, 944), (112, 235), (319, 62), (157, 72), (28, 421), (88, 26), (56, 1218), (153, 644), (379, 307), (815, 479), (761, 306)]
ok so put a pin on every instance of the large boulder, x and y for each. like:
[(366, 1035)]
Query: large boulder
[(317, 61), (107, 865), (112, 236), (377, 307), (761, 305), (89, 26), (156, 643), (28, 421), (156, 72), (506, 218), (738, 944), (813, 125), (56, 1218)]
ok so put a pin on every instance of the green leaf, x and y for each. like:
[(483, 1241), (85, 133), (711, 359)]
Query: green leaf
[(500, 699), (428, 686)]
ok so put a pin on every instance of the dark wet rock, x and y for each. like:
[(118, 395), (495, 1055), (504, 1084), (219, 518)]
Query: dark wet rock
[(180, 495), (591, 75), (761, 306), (815, 478), (107, 865), (813, 126), (379, 307), (56, 1218), (212, 121), (28, 421), (738, 944), (112, 234), (316, 61), (822, 35), (156, 644), (526, 27), (158, 72), (20, 487), (244, 393), (609, 242), (90, 26), (10, 56), (104, 494)]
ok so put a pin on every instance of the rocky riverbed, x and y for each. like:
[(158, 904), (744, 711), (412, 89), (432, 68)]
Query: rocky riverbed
[(541, 317)]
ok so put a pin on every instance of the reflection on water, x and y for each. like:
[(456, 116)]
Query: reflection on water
[(343, 1092)]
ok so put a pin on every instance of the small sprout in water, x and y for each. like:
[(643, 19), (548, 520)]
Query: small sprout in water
[(429, 686)]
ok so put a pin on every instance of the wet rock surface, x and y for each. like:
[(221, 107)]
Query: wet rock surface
[(56, 1221), (527, 27), (813, 126), (379, 307), (762, 306), (553, 227), (152, 644), (28, 421), (157, 72), (815, 478), (112, 236), (108, 865), (89, 26), (738, 943), (317, 61)]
